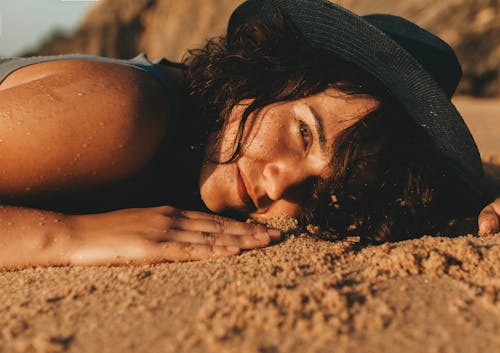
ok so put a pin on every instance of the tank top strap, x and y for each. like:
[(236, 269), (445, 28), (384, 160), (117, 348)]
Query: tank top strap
[(142, 61)]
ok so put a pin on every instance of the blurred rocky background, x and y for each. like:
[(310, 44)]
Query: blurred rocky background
[(123, 28)]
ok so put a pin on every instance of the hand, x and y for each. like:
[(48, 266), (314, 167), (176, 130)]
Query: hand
[(489, 218), (159, 234)]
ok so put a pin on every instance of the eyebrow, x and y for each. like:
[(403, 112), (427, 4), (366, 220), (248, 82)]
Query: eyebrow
[(318, 124)]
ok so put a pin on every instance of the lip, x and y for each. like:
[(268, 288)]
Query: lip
[(243, 191)]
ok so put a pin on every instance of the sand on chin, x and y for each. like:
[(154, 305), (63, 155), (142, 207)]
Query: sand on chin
[(432, 294)]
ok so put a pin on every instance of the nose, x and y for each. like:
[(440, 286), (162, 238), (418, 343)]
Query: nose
[(280, 179)]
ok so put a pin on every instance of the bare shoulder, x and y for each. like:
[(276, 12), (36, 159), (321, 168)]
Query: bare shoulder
[(75, 124)]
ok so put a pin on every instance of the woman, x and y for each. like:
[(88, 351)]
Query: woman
[(305, 110)]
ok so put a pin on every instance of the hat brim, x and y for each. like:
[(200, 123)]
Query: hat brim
[(355, 40)]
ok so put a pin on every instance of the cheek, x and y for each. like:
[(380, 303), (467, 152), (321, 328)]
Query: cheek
[(267, 140), (221, 144), (218, 189), (206, 171)]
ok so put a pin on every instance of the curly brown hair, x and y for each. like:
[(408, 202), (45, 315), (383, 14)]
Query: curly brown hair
[(389, 182)]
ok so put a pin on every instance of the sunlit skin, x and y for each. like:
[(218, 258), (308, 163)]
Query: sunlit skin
[(285, 146), (49, 111)]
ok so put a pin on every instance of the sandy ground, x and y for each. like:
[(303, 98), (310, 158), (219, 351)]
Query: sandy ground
[(302, 295)]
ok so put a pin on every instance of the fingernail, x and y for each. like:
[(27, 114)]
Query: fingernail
[(274, 232), (232, 249), (261, 236)]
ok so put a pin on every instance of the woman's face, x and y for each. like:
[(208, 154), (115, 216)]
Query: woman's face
[(286, 146)]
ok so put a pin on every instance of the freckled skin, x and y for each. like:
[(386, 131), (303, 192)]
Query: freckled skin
[(273, 159), (75, 125)]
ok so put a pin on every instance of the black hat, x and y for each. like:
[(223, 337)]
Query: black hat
[(419, 69)]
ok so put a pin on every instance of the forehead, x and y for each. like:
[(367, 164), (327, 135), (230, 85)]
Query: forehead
[(341, 109)]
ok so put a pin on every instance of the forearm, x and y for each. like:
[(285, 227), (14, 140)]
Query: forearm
[(30, 237)]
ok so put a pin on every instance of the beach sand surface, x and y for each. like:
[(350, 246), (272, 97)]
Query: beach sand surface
[(432, 294)]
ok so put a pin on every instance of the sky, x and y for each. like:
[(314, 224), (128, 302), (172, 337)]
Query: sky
[(24, 23)]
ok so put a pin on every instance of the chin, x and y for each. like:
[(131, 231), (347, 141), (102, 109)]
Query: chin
[(280, 212), (211, 204), (215, 203), (211, 201)]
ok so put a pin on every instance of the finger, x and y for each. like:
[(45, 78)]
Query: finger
[(198, 215), (217, 239), (146, 252), (218, 224), (222, 225), (167, 210), (488, 220), (204, 215), (174, 251)]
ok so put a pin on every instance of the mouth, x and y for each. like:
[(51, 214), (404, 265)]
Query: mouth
[(243, 191)]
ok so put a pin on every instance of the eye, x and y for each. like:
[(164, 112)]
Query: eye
[(306, 135)]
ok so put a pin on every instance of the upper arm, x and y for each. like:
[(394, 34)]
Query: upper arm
[(83, 124)]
